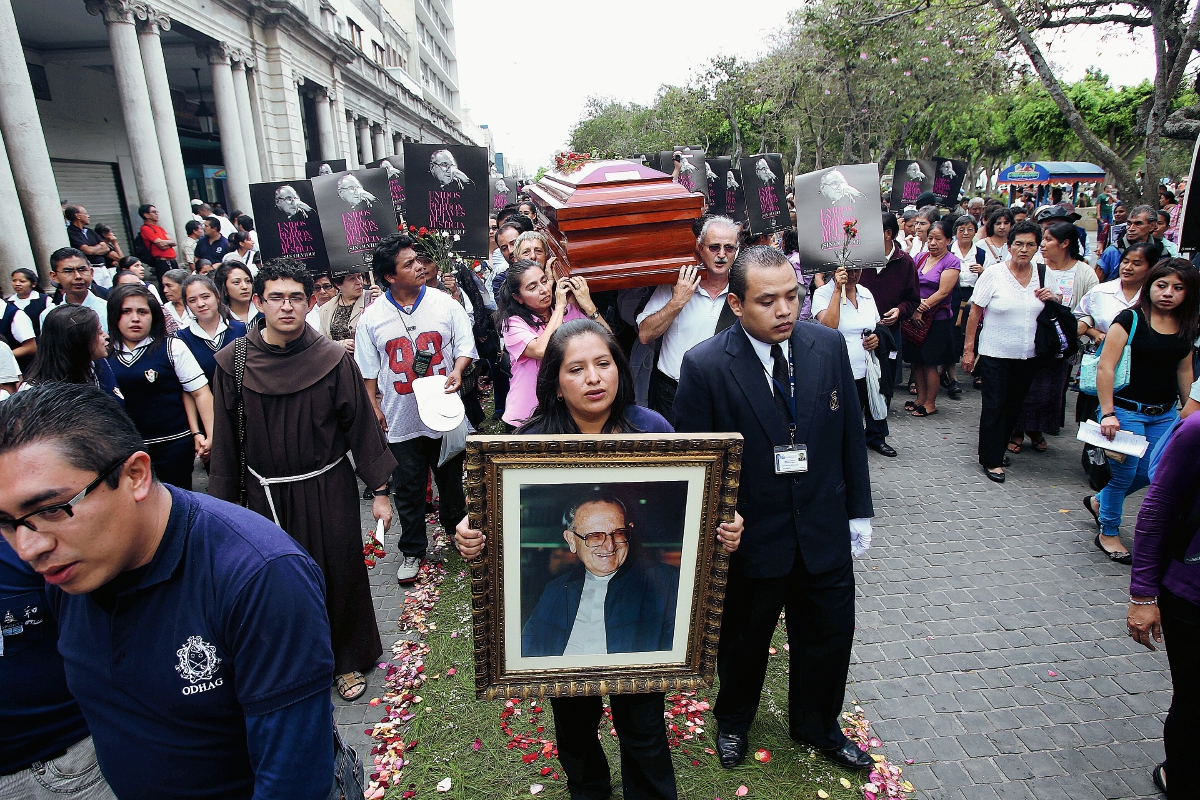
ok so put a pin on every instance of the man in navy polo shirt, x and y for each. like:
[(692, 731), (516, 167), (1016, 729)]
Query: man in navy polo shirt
[(193, 632), (45, 749)]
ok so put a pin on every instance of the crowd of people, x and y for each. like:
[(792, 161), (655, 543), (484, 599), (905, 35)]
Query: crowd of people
[(206, 632)]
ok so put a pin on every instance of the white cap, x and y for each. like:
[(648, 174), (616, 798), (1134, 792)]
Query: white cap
[(439, 411)]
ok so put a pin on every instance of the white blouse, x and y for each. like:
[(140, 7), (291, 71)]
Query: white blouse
[(1012, 310), (1102, 303), (852, 322)]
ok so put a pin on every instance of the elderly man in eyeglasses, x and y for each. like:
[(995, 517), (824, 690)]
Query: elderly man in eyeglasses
[(609, 603)]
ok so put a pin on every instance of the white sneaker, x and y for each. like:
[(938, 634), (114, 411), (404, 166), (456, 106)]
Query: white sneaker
[(409, 567)]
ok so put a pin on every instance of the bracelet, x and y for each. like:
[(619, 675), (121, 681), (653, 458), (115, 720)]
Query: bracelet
[(1151, 602), (197, 433), (381, 492), (1109, 414), (594, 315)]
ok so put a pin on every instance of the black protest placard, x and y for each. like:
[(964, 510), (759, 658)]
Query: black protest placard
[(394, 167), (691, 167), (1189, 223), (829, 201), (735, 197), (356, 214), (948, 176), (504, 191), (910, 179), (448, 190), (717, 171), (287, 223), (314, 168), (765, 193)]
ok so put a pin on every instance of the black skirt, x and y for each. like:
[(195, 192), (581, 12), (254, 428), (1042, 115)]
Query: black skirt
[(937, 349)]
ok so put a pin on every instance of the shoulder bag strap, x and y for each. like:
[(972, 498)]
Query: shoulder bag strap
[(240, 346)]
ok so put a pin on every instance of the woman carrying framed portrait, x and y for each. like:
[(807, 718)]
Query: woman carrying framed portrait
[(585, 385)]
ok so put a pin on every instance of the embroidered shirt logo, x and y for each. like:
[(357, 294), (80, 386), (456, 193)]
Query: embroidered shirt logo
[(151, 375), (833, 400), (198, 662)]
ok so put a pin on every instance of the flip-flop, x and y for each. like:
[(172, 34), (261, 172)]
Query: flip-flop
[(1115, 557), (920, 411), (1040, 445), (1159, 775), (909, 405), (1015, 447)]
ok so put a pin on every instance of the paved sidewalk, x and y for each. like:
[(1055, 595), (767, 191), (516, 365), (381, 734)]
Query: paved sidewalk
[(991, 644)]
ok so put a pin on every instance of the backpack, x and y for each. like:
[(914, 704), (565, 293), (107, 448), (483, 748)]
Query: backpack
[(1056, 336), (142, 250)]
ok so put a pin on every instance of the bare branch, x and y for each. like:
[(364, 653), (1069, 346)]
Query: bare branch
[(1104, 19)]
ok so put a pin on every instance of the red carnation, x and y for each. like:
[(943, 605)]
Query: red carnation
[(422, 231), (412, 228)]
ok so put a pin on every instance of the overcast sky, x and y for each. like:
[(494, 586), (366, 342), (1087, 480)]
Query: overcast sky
[(526, 69)]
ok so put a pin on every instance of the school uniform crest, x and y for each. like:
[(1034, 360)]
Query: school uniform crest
[(198, 660), (151, 375)]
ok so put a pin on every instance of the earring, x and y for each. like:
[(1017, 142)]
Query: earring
[(559, 398)]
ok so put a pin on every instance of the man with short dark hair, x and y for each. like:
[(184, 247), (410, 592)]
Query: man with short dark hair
[(689, 311), (85, 239), (1139, 228), (805, 494), (193, 633), (156, 239), (187, 248), (304, 411), (227, 226), (213, 246), (69, 268), (407, 334)]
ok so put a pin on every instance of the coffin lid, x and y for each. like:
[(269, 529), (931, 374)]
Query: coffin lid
[(607, 188)]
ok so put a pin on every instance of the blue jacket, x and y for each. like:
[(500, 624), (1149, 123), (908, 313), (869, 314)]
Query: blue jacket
[(639, 610)]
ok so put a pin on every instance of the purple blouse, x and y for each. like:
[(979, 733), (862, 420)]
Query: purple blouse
[(1171, 499), (929, 282)]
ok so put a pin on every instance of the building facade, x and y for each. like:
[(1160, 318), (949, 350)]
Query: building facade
[(114, 103)]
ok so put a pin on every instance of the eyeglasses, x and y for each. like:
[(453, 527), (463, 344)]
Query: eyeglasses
[(52, 515), (73, 270), (279, 300), (717, 249), (324, 287), (594, 540)]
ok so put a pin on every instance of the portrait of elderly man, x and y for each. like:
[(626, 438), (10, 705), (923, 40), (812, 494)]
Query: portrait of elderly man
[(613, 601), (444, 167), (352, 192), (765, 174), (914, 173), (287, 201)]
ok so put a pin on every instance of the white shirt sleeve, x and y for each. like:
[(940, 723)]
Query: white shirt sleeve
[(985, 289), (365, 353), (820, 299), (657, 302), (9, 371), (860, 536), (1195, 393), (187, 369), (22, 327)]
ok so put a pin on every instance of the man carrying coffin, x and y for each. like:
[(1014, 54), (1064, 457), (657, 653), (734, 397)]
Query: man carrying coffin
[(290, 409), (805, 494), (690, 311), (611, 602)]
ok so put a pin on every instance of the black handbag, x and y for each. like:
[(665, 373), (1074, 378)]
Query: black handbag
[(1057, 335), (1096, 465)]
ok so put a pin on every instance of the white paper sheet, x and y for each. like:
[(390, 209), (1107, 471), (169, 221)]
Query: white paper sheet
[(1131, 444)]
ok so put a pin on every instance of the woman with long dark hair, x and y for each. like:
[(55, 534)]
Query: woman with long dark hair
[(937, 275), (211, 326), (584, 385), (1071, 278), (236, 283), (1162, 329), (72, 349), (530, 307), (155, 371)]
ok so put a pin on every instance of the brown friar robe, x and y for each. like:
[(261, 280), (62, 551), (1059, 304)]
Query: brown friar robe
[(306, 406)]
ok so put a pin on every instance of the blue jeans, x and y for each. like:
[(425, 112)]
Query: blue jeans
[(74, 775), (1131, 474)]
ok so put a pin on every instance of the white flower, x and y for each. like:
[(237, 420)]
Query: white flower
[(456, 237)]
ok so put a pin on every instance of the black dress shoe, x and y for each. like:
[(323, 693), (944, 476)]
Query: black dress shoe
[(731, 748), (995, 477), (884, 449), (849, 755)]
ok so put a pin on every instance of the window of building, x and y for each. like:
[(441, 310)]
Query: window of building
[(379, 53), (356, 34)]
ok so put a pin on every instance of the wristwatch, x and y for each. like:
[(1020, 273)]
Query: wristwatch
[(594, 315)]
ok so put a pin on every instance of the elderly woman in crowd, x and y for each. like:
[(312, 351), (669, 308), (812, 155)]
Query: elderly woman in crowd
[(970, 258), (937, 274), (178, 315), (1070, 277), (1012, 296), (339, 317), (1161, 330)]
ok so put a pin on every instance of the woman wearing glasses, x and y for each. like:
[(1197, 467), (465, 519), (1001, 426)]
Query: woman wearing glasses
[(166, 393), (585, 385), (529, 309)]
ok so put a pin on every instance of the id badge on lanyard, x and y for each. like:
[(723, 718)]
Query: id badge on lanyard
[(793, 458)]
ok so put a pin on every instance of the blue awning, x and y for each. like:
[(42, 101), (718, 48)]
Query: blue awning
[(1051, 171)]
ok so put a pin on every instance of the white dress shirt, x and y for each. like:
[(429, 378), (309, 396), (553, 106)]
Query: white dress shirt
[(588, 634), (697, 321), (1102, 304), (1012, 312), (851, 322)]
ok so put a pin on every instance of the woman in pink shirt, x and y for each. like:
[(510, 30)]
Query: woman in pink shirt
[(529, 309)]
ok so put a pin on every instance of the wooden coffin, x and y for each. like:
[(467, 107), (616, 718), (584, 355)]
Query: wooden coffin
[(619, 224)]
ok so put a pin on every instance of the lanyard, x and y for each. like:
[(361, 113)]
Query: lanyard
[(790, 395)]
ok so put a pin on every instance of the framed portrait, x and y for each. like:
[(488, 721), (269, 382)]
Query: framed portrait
[(602, 573)]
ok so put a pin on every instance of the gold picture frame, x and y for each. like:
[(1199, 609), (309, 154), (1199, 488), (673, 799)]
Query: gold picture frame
[(702, 472)]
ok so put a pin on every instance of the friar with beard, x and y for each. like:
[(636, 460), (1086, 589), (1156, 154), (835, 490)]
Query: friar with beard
[(689, 311)]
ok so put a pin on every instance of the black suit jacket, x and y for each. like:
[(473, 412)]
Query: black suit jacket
[(723, 388)]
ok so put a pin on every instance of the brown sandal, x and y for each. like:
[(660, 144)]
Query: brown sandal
[(351, 686)]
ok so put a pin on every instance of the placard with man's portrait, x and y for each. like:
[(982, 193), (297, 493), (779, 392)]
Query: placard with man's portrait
[(447, 189), (287, 223)]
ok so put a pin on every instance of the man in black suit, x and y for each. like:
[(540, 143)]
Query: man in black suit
[(805, 495)]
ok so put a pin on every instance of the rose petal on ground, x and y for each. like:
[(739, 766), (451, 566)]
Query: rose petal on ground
[(535, 788), (1052, 673), (845, 783), (742, 791), (443, 785)]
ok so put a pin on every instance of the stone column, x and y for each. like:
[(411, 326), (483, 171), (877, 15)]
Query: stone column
[(179, 210), (233, 147), (352, 150), (134, 95), (241, 89), (381, 150), (326, 142), (27, 154), (15, 251), (364, 139)]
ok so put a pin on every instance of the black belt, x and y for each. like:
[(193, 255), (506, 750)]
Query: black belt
[(1149, 409)]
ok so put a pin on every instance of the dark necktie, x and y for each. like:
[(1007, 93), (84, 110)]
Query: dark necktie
[(782, 383)]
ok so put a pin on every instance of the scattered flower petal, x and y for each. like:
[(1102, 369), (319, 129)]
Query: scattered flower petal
[(537, 787), (443, 785), (742, 791), (762, 755)]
